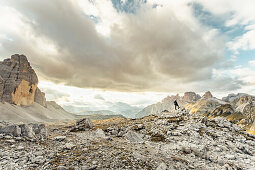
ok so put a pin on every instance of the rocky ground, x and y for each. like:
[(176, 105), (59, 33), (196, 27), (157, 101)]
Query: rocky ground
[(167, 141)]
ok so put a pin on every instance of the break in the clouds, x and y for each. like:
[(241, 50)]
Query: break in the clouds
[(133, 45)]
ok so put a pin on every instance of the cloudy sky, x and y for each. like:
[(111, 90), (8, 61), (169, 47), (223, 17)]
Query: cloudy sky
[(93, 54)]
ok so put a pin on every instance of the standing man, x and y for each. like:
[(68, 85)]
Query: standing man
[(176, 105)]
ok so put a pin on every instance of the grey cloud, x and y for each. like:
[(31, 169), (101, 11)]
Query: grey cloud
[(147, 50)]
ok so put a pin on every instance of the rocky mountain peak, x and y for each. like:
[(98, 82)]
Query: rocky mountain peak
[(18, 81), (207, 95), (246, 99), (191, 97)]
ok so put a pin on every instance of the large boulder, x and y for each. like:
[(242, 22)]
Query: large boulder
[(31, 130), (82, 125), (18, 81)]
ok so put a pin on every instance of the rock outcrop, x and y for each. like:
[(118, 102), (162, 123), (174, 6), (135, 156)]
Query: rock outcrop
[(18, 81), (18, 88), (204, 105), (207, 95), (82, 125), (222, 111), (191, 97), (40, 97), (232, 97), (30, 131), (246, 99)]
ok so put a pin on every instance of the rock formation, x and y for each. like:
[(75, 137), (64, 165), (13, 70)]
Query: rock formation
[(222, 111), (40, 97), (18, 81), (204, 105), (18, 86), (246, 99), (207, 95), (191, 97), (31, 131), (232, 97)]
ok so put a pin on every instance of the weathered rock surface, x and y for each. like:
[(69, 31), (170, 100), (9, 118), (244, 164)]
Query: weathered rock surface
[(232, 97), (204, 105), (223, 111), (32, 130), (40, 97), (20, 98), (191, 97), (207, 95), (82, 125), (169, 141), (18, 81)]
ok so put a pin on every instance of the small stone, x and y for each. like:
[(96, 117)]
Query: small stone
[(61, 168), (162, 166), (133, 137), (20, 148), (99, 133), (59, 138), (231, 157), (10, 141), (39, 159), (69, 146)]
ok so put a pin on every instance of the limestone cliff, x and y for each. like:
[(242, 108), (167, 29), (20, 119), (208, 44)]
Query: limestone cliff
[(18, 88), (40, 97), (18, 81)]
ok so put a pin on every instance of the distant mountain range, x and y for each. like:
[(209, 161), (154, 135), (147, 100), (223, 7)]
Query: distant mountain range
[(118, 108)]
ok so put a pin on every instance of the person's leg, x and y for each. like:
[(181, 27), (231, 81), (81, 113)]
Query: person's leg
[(175, 106)]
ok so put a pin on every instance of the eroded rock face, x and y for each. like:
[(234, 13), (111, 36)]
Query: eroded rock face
[(249, 112), (18, 81), (191, 97), (207, 95), (246, 99), (223, 111), (204, 105), (40, 97)]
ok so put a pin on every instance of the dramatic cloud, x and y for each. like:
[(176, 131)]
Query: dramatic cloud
[(151, 48)]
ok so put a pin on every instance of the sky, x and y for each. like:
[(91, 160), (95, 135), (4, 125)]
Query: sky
[(100, 54)]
